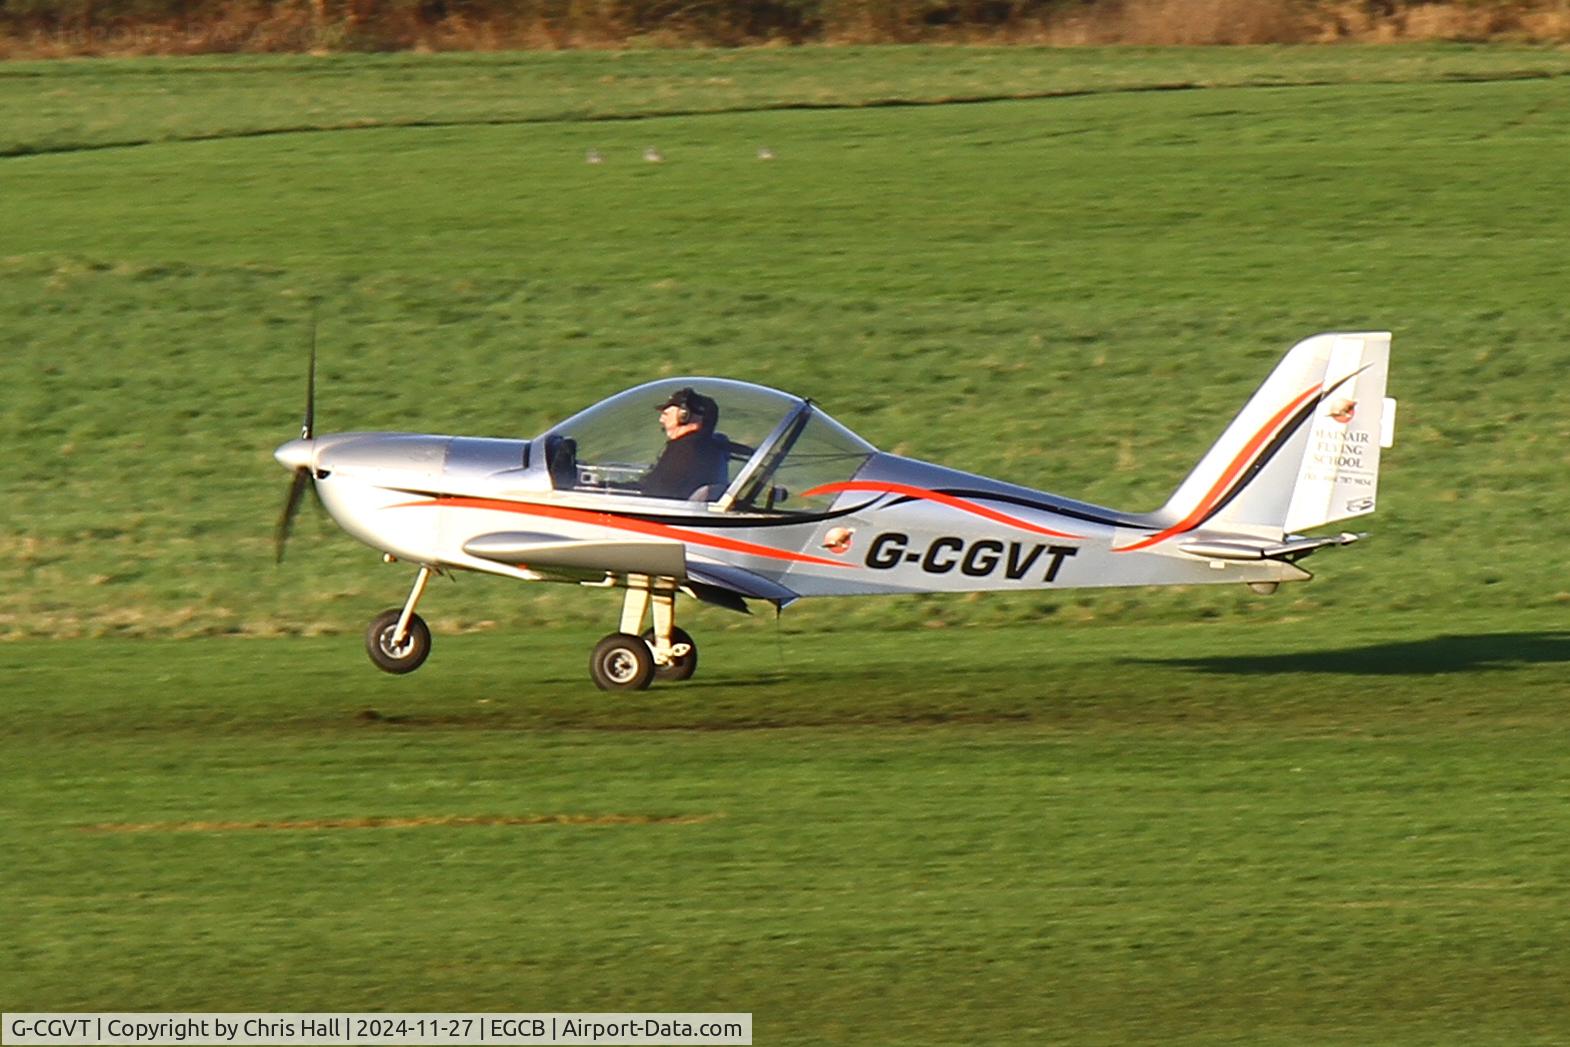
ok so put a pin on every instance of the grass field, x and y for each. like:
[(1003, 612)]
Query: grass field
[(1108, 275), (1340, 833), (1333, 816)]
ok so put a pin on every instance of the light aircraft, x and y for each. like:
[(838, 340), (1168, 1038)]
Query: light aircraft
[(788, 503)]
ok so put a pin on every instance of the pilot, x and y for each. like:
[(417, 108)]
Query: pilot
[(694, 461)]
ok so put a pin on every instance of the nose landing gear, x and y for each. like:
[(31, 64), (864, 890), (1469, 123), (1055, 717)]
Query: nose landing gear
[(398, 640)]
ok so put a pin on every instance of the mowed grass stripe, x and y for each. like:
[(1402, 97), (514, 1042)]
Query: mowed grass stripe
[(590, 119), (444, 821), (66, 105)]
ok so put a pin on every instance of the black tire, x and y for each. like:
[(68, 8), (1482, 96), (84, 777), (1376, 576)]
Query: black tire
[(389, 659), (682, 668), (621, 662)]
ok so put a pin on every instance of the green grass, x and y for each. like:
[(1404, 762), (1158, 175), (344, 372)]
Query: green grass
[(1330, 817), (1079, 291), (1269, 834)]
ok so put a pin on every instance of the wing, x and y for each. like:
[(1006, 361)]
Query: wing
[(552, 552), (719, 584)]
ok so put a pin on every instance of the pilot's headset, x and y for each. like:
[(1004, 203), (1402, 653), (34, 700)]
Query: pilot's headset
[(683, 402), (692, 405)]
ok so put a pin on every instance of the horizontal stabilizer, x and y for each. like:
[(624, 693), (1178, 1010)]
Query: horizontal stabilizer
[(525, 549), (1244, 549)]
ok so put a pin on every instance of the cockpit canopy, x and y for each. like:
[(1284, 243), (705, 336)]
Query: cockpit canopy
[(762, 450)]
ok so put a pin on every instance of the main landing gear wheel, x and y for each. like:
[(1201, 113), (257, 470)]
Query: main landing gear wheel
[(680, 668), (391, 657), (622, 662)]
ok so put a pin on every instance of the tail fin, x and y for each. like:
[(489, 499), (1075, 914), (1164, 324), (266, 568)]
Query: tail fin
[(1304, 451)]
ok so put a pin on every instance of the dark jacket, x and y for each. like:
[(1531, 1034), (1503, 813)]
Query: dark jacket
[(689, 462)]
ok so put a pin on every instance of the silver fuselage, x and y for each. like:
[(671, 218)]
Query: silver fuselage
[(897, 525)]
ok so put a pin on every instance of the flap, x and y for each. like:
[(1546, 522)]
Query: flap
[(742, 581)]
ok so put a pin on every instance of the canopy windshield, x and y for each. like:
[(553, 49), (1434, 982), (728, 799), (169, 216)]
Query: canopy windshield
[(746, 447)]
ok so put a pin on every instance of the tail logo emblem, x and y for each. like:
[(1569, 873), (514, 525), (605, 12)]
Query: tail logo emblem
[(1343, 410)]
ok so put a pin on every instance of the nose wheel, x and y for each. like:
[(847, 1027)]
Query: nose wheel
[(630, 660), (398, 640), (392, 655)]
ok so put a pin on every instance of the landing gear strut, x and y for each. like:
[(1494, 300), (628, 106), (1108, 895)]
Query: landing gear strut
[(398, 640), (681, 666), (629, 660)]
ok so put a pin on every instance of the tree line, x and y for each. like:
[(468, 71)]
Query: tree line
[(89, 26), (715, 21)]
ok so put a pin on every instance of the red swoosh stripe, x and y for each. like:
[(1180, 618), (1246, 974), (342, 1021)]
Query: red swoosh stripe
[(942, 499), (622, 523), (1219, 488)]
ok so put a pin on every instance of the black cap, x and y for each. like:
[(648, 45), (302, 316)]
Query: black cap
[(680, 398), (697, 406)]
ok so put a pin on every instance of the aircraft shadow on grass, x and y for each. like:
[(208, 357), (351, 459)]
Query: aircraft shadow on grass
[(1437, 654)]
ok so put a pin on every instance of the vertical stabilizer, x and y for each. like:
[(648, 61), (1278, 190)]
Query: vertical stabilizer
[(1304, 451)]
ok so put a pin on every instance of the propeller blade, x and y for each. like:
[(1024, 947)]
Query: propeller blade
[(309, 426), (291, 508)]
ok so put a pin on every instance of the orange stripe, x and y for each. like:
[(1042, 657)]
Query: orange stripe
[(942, 499), (1219, 488), (622, 523)]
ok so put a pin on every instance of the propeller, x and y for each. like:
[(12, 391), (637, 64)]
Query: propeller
[(302, 472)]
